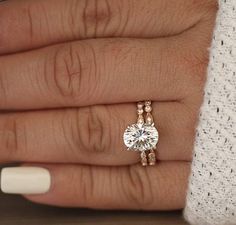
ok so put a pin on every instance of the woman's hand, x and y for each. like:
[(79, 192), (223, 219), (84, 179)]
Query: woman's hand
[(70, 74)]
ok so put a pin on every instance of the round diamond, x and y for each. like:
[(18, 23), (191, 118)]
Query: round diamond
[(141, 137)]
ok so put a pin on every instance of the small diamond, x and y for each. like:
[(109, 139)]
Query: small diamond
[(141, 137)]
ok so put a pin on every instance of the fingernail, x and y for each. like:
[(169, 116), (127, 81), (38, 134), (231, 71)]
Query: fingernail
[(25, 180)]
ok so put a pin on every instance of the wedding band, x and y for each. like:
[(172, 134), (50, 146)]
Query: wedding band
[(143, 135)]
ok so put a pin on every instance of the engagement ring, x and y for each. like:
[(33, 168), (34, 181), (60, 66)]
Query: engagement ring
[(143, 135)]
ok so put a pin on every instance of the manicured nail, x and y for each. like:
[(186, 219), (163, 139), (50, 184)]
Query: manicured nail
[(25, 180)]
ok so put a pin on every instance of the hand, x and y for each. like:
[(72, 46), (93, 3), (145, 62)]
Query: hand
[(70, 75)]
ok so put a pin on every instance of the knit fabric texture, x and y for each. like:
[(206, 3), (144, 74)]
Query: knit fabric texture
[(211, 197)]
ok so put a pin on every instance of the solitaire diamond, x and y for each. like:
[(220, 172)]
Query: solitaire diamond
[(141, 137)]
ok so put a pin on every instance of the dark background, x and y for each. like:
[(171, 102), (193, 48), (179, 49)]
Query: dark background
[(14, 210)]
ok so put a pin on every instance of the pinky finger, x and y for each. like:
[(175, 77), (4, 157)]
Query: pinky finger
[(162, 187)]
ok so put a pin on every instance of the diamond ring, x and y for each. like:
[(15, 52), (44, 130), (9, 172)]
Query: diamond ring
[(143, 135)]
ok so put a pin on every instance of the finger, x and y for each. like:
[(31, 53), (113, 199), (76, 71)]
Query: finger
[(93, 135), (45, 22), (101, 72), (162, 187)]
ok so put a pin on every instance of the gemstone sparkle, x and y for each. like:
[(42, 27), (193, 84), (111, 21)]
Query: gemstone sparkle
[(141, 137)]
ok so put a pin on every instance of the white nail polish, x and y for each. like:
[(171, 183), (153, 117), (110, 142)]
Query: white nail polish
[(25, 180)]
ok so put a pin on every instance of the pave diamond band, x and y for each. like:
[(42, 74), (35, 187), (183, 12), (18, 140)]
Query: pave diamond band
[(143, 135)]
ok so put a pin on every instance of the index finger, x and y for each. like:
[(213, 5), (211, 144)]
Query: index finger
[(31, 24)]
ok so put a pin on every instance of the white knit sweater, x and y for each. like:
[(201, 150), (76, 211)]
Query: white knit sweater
[(211, 196)]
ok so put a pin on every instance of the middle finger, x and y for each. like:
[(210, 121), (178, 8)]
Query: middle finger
[(104, 71)]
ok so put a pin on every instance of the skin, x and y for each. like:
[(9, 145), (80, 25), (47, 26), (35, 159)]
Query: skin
[(70, 73)]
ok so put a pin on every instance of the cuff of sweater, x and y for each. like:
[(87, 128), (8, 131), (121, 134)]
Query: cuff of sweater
[(211, 198), (191, 217)]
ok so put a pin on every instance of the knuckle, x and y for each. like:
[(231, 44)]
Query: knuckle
[(88, 188), (139, 189), (34, 14), (66, 71), (94, 133), (12, 138), (83, 187), (30, 12), (97, 15), (72, 66)]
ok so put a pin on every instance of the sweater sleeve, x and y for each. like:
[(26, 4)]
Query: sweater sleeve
[(211, 197)]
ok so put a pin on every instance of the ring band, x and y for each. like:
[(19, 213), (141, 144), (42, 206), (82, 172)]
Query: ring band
[(143, 135)]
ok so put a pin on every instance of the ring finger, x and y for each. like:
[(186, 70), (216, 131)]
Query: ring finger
[(93, 135)]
